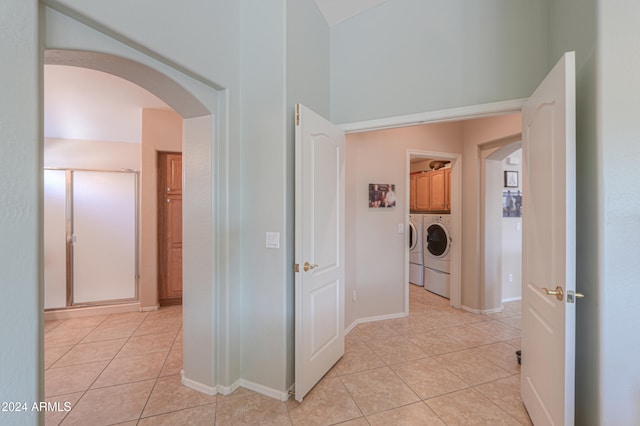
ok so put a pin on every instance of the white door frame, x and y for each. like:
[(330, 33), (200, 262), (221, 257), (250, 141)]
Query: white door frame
[(445, 115)]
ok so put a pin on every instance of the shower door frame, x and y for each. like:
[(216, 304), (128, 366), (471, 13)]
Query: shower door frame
[(69, 245)]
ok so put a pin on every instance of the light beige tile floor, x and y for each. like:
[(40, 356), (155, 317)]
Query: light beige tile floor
[(439, 366)]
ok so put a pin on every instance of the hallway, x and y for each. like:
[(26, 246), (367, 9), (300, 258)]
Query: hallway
[(439, 366)]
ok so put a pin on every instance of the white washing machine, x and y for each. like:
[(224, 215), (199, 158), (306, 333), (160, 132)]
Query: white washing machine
[(437, 240), (416, 260)]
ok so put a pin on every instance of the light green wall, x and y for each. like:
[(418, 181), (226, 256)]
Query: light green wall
[(307, 72), (412, 56), (618, 99), (21, 356), (573, 27), (604, 35), (263, 135)]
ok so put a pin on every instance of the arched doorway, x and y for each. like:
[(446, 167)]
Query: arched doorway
[(202, 225)]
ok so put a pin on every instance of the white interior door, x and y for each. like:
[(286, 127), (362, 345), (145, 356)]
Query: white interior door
[(548, 321), (319, 248)]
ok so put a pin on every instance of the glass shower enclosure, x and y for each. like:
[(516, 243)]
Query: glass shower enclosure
[(91, 238)]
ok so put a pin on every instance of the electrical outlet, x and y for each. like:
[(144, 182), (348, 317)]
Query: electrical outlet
[(510, 278), (353, 296)]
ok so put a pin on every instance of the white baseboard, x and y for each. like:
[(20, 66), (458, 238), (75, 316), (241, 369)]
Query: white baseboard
[(192, 384), (511, 299), (482, 311), (149, 308), (351, 327), (373, 319), (272, 393), (228, 390), (88, 311)]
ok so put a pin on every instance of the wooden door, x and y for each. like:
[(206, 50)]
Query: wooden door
[(422, 191), (169, 228), (319, 248)]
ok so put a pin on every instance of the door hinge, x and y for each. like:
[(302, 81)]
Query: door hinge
[(297, 114), (296, 267)]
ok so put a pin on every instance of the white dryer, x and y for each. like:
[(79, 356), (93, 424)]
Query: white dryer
[(416, 259), (437, 240)]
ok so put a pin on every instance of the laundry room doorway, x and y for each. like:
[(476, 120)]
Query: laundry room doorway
[(380, 153), (434, 179)]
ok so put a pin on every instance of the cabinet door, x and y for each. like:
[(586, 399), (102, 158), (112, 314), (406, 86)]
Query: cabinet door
[(169, 228), (173, 173), (412, 193), (447, 189), (436, 190), (422, 191)]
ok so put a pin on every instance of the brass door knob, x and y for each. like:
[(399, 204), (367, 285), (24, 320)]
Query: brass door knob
[(558, 293), (307, 266)]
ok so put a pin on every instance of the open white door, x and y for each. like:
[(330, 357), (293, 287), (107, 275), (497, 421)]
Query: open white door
[(548, 264), (319, 248)]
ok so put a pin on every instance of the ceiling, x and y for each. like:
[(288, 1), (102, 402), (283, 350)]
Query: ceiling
[(336, 11), (84, 104)]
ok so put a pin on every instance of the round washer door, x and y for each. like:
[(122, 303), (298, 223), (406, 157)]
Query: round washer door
[(437, 240), (413, 236)]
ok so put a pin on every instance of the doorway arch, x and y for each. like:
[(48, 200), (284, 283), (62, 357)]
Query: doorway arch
[(202, 227), (492, 155)]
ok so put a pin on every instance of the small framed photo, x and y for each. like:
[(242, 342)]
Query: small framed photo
[(382, 195), (510, 179)]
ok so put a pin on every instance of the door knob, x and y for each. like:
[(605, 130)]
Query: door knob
[(307, 266), (558, 293)]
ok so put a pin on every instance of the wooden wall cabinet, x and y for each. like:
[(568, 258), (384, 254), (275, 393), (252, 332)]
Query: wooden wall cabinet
[(430, 191)]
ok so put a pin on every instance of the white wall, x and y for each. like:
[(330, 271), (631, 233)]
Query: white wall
[(412, 56), (375, 250), (83, 154), (21, 313), (512, 240)]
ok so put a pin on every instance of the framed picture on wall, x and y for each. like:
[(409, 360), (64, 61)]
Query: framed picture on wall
[(511, 204), (382, 195), (510, 179)]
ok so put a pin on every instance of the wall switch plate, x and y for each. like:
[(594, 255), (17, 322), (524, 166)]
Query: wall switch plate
[(510, 278), (518, 226), (273, 240), (401, 228)]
